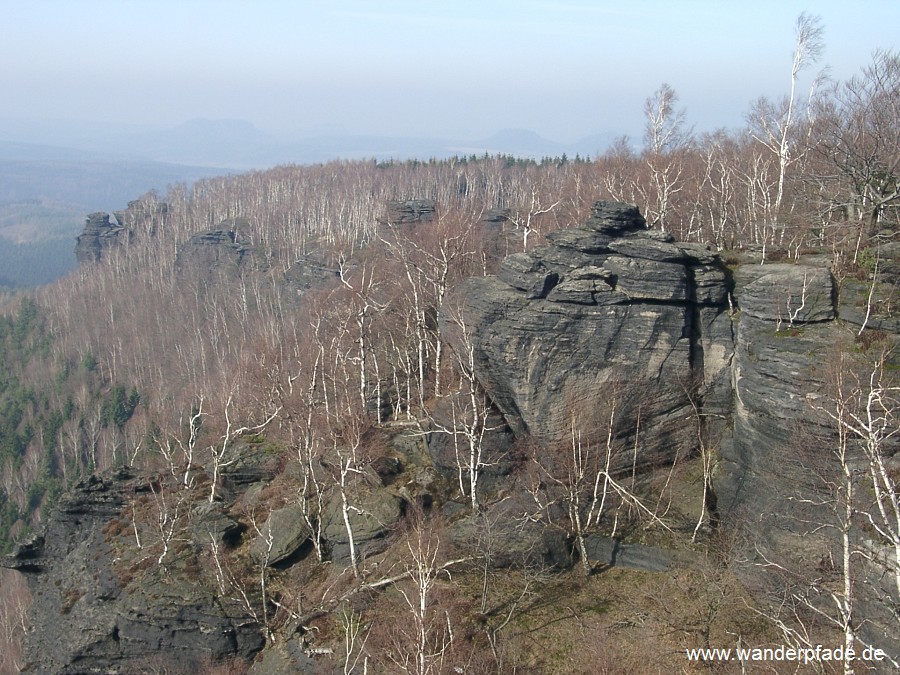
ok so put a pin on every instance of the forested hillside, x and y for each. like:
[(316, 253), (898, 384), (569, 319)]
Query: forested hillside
[(274, 371)]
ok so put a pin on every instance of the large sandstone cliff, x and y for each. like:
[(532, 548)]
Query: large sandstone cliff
[(607, 307)]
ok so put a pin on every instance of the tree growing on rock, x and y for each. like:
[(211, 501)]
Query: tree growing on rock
[(847, 518), (222, 454), (863, 408)]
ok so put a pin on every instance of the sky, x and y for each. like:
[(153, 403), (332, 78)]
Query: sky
[(449, 69)]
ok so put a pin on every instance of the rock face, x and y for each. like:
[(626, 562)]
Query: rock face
[(613, 312), (784, 332), (311, 271), (218, 250), (410, 211), (778, 467), (91, 620), (99, 235), (610, 310)]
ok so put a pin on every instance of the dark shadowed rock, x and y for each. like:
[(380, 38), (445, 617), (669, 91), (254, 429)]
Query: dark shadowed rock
[(447, 449), (91, 619), (250, 466), (615, 218), (374, 512), (613, 553), (495, 215), (507, 538), (211, 524), (528, 274)]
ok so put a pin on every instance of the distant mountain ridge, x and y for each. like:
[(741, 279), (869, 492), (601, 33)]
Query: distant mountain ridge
[(239, 145)]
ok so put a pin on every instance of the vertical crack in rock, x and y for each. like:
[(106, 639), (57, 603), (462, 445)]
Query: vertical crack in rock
[(608, 305)]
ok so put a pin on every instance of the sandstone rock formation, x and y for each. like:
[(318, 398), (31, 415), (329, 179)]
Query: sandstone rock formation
[(410, 211), (93, 618), (215, 251), (608, 311), (99, 235)]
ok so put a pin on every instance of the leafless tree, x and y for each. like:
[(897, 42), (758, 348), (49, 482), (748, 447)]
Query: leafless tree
[(356, 633), (423, 644), (579, 476), (857, 136), (864, 410), (526, 220), (665, 140), (470, 410), (775, 125), (222, 455), (15, 601)]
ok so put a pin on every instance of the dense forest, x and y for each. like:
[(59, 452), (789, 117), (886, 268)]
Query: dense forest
[(292, 322)]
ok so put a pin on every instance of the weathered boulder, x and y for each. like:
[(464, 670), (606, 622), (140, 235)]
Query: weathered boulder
[(210, 524), (648, 248), (528, 274), (374, 511), (786, 293), (409, 211), (505, 538), (862, 305), (250, 465), (215, 250), (617, 218), (311, 271), (580, 239), (614, 553), (283, 534)]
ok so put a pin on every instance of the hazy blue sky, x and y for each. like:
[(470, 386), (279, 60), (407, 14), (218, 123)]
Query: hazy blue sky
[(453, 68)]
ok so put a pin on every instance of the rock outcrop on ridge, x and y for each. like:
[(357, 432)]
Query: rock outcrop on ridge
[(609, 313), (99, 235)]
